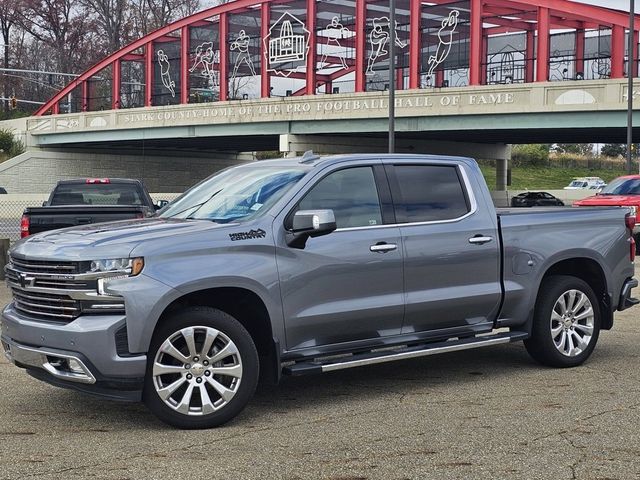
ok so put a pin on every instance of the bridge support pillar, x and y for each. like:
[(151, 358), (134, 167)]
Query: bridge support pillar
[(502, 170)]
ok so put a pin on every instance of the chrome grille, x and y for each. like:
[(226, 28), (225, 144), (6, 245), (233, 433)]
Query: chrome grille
[(57, 291), (42, 295), (45, 305), (48, 282), (40, 266)]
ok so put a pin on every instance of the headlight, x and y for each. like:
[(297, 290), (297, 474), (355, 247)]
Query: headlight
[(115, 269), (125, 266)]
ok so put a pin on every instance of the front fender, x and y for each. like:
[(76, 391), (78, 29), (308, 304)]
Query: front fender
[(250, 266)]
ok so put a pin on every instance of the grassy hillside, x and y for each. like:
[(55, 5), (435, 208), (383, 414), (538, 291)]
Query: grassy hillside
[(549, 178)]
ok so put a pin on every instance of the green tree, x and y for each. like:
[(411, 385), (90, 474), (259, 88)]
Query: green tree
[(614, 150), (575, 148), (9, 145), (530, 154)]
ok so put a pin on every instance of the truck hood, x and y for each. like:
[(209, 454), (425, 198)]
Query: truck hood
[(106, 240), (609, 200)]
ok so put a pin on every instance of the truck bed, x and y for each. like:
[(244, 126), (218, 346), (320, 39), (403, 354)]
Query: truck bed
[(532, 238)]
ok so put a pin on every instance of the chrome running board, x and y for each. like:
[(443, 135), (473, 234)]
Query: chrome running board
[(400, 353)]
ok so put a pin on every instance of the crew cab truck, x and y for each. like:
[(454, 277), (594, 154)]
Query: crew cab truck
[(91, 200), (309, 265)]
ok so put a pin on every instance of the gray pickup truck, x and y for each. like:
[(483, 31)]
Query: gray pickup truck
[(309, 265)]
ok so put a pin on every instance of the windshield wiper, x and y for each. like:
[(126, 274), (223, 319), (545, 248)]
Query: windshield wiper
[(197, 206)]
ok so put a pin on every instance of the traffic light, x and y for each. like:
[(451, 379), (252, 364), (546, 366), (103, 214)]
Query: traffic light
[(13, 102)]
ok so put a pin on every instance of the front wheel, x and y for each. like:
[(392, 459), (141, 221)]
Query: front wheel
[(566, 322), (202, 369)]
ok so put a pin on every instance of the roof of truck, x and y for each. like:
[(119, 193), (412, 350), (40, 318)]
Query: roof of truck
[(74, 181), (316, 160)]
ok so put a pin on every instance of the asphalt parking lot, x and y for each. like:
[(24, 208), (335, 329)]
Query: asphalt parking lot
[(490, 413)]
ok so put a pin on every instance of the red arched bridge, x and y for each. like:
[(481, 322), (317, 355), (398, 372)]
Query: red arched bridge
[(252, 49)]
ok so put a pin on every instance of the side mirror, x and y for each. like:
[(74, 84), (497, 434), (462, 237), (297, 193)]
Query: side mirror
[(161, 204), (310, 223)]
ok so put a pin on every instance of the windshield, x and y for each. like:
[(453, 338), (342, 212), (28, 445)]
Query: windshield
[(622, 186), (235, 194), (578, 183)]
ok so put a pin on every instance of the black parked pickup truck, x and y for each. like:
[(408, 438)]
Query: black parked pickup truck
[(92, 200)]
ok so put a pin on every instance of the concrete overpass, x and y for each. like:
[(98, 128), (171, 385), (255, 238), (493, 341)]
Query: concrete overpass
[(477, 121), (585, 111)]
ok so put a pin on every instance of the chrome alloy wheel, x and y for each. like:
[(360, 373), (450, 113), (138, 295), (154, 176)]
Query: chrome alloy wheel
[(197, 370), (572, 320)]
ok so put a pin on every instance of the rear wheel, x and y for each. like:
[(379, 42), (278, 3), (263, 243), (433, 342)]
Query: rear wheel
[(566, 322), (202, 369)]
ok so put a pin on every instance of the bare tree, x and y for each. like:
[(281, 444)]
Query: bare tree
[(112, 17), (149, 15), (9, 12), (70, 35), (64, 26)]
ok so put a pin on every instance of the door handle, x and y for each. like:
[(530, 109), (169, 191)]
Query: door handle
[(480, 240), (383, 247)]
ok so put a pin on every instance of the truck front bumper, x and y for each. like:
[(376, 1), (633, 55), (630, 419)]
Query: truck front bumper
[(626, 300), (81, 354)]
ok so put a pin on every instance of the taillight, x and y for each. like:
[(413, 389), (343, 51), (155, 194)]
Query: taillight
[(98, 180), (630, 221), (24, 226)]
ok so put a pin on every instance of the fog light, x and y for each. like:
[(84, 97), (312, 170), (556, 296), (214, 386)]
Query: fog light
[(56, 362), (74, 366), (7, 350)]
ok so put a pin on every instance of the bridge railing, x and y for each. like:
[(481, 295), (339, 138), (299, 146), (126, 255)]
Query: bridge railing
[(250, 49)]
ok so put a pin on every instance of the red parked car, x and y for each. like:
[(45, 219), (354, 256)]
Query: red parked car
[(621, 192)]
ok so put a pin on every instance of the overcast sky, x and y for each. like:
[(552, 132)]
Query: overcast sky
[(619, 4)]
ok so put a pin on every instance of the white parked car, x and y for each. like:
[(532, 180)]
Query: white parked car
[(586, 183)]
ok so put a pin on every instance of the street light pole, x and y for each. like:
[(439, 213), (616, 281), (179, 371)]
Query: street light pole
[(630, 69), (392, 75)]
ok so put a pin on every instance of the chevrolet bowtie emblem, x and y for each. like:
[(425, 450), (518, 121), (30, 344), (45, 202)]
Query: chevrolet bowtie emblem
[(26, 280)]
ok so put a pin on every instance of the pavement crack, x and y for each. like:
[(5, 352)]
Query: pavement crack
[(611, 410), (574, 466)]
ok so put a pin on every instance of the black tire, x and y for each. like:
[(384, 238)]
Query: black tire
[(246, 356), (541, 345)]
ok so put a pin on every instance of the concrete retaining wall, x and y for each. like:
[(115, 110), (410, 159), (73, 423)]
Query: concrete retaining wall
[(39, 171)]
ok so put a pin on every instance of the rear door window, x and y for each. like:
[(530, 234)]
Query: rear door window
[(97, 194), (429, 193)]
